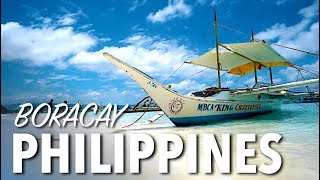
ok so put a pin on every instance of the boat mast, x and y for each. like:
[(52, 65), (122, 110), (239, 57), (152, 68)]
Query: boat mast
[(255, 72), (217, 47), (271, 79), (254, 63)]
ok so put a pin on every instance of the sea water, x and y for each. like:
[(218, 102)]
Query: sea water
[(297, 123)]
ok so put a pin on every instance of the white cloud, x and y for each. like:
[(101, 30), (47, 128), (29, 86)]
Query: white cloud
[(313, 66), (46, 20), (228, 83), (304, 35), (62, 47), (215, 2), (152, 55), (292, 73), (277, 80), (67, 20), (281, 31), (138, 28), (139, 40), (70, 18), (201, 2), (307, 40), (54, 82), (93, 93), (188, 86), (42, 46), (279, 2), (310, 11), (91, 61), (105, 39), (110, 95), (219, 2), (136, 4), (28, 81), (32, 71), (175, 9), (131, 84), (86, 26), (251, 81), (57, 76), (65, 77)]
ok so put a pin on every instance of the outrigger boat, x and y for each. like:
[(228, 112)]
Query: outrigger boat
[(214, 105)]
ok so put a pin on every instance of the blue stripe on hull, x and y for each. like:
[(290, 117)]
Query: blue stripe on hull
[(196, 120)]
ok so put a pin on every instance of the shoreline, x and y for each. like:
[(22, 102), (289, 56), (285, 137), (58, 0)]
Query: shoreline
[(298, 162)]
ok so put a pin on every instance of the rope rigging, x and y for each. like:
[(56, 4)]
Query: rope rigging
[(198, 72), (307, 70), (217, 79), (299, 68), (247, 35), (310, 53), (310, 71), (192, 52)]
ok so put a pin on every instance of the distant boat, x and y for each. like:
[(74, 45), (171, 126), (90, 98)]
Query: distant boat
[(301, 97), (216, 104)]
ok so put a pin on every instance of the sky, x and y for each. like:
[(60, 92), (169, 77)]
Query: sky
[(53, 49)]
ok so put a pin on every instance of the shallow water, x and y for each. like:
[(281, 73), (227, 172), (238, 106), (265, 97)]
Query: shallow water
[(299, 148)]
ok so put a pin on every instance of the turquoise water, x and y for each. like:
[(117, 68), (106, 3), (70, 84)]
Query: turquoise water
[(299, 148), (296, 122)]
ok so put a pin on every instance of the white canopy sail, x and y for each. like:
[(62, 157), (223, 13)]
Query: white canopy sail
[(240, 58)]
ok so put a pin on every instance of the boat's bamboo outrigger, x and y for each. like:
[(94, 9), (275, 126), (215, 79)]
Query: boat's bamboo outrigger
[(222, 103)]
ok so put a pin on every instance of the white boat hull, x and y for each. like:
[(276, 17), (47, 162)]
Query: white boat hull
[(185, 110), (213, 111)]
